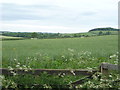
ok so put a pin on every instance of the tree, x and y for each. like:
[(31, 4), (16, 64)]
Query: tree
[(75, 35), (34, 35), (108, 33), (100, 33)]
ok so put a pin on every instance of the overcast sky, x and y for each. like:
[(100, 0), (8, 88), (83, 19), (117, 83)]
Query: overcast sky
[(63, 16)]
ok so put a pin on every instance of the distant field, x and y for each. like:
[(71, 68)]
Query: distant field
[(10, 38), (60, 53)]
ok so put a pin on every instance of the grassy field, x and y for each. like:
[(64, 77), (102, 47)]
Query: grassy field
[(67, 53), (10, 38), (60, 53)]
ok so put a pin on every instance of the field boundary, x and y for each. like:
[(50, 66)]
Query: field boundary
[(49, 71), (106, 67), (103, 68)]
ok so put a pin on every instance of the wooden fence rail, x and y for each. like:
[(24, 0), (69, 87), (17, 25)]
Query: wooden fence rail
[(104, 68), (49, 71)]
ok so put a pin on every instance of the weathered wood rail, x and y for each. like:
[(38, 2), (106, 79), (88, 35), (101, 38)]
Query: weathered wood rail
[(106, 67), (49, 71), (103, 68)]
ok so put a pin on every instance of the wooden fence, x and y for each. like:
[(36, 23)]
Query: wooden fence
[(106, 67), (103, 68), (49, 71)]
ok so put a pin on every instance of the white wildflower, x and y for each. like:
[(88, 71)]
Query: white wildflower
[(112, 56), (14, 74), (15, 59), (72, 72), (18, 63), (26, 70), (10, 68), (1, 77), (64, 74), (20, 68), (101, 80), (63, 56), (17, 66), (117, 52), (24, 66), (28, 58), (71, 50), (66, 60), (110, 76)]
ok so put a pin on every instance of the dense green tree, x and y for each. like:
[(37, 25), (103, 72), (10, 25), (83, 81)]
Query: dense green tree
[(100, 33), (34, 35), (104, 29), (108, 33)]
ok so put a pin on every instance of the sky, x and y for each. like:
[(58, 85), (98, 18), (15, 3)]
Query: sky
[(63, 16)]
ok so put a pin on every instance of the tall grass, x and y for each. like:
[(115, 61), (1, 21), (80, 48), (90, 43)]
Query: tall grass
[(70, 53), (60, 53)]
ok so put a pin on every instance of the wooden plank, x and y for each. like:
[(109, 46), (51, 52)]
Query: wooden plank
[(109, 66), (81, 81), (106, 67), (50, 71), (0, 71)]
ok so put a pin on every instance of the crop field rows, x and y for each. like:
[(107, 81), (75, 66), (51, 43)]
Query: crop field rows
[(67, 53)]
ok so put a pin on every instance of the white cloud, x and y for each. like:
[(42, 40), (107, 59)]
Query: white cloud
[(35, 26), (58, 15), (30, 26)]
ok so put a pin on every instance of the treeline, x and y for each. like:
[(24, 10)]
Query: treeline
[(42, 35), (29, 35), (104, 29), (104, 33), (39, 35)]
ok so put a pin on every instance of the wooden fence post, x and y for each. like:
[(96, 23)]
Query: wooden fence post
[(105, 67)]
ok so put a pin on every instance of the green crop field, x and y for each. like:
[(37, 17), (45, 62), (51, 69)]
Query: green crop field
[(67, 53), (56, 53), (10, 38)]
